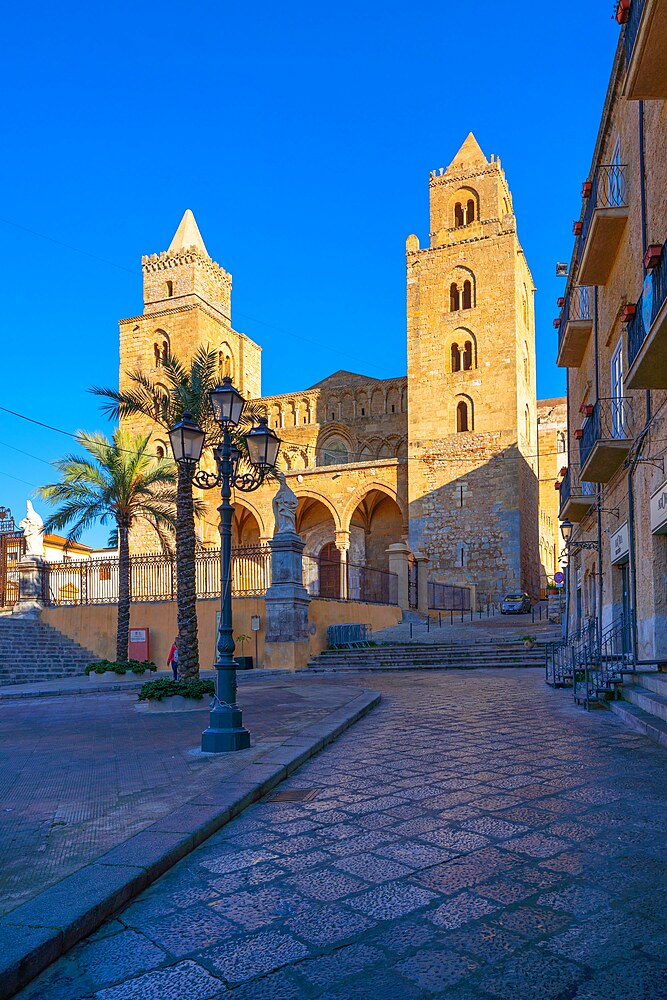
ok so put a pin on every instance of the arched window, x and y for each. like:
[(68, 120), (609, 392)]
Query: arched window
[(159, 451), (462, 417), (458, 215), (462, 555), (454, 297), (156, 351), (170, 289), (467, 294), (467, 356), (560, 446), (526, 363), (161, 348), (527, 420), (456, 358), (470, 211), (334, 452)]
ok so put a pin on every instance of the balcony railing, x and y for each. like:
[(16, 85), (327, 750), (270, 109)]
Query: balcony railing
[(576, 322), (649, 308), (575, 496), (632, 28), (605, 439), (603, 223), (609, 190)]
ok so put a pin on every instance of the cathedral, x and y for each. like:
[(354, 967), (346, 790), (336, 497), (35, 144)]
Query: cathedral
[(444, 459)]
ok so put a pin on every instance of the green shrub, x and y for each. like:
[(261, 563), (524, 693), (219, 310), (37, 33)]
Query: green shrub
[(165, 687), (121, 667)]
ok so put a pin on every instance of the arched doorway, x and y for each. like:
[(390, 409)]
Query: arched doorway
[(245, 527), (329, 571), (377, 523), (317, 527)]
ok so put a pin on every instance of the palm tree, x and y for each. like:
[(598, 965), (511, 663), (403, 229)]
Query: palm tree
[(181, 388), (119, 481)]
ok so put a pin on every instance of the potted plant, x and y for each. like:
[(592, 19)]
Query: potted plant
[(111, 670), (244, 662), (579, 433), (556, 323), (586, 189), (528, 641), (576, 228), (629, 310), (168, 695), (561, 302)]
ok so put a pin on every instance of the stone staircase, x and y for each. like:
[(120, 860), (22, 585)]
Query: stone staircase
[(643, 703), (441, 655), (30, 650)]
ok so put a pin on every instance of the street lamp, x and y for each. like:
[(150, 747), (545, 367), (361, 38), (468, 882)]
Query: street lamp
[(226, 731), (566, 530)]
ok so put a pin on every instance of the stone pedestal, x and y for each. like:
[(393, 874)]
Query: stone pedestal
[(31, 588), (399, 554), (287, 639)]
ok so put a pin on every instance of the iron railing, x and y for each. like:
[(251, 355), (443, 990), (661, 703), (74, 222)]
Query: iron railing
[(598, 672), (652, 300), (572, 486), (323, 578), (611, 420), (609, 190), (578, 307), (445, 597), (562, 655), (632, 28), (351, 635), (153, 577)]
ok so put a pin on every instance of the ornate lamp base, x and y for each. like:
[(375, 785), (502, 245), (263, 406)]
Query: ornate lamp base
[(226, 731)]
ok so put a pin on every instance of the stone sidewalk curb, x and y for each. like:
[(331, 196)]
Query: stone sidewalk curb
[(7, 693), (38, 932)]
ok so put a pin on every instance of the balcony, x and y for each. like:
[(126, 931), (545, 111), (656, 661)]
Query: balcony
[(606, 440), (576, 324), (647, 332), (576, 498), (603, 224), (645, 47)]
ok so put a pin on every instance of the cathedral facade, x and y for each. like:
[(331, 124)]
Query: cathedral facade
[(444, 459)]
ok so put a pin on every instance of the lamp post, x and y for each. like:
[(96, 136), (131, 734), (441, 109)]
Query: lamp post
[(226, 731), (566, 532)]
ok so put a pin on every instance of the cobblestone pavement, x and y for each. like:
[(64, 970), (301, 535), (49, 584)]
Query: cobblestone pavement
[(454, 627), (80, 775), (476, 836)]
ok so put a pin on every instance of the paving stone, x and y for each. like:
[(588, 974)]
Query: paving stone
[(329, 925), (372, 868), (344, 962), (240, 960), (435, 971), (461, 910), (531, 976), (577, 899), (183, 980), (532, 921), (390, 901), (327, 884), (641, 979)]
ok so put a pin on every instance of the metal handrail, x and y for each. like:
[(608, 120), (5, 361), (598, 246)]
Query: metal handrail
[(561, 656), (632, 28), (611, 420), (651, 302), (576, 308), (601, 670)]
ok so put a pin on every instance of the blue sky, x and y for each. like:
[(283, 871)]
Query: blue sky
[(302, 138)]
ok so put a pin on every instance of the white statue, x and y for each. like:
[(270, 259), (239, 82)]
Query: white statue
[(285, 503), (33, 530)]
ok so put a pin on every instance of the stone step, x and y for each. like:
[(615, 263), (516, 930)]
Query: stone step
[(647, 700), (639, 720), (31, 650), (651, 680)]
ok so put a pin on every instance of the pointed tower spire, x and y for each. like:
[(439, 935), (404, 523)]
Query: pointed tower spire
[(469, 155), (188, 235)]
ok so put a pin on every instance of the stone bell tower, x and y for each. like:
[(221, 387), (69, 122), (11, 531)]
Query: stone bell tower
[(472, 423), (187, 304)]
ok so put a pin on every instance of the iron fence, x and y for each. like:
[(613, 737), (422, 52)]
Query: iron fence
[(561, 655), (153, 577), (349, 581), (12, 549), (653, 299), (445, 597), (632, 28), (611, 420)]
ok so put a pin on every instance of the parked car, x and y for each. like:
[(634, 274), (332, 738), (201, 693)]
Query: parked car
[(516, 604)]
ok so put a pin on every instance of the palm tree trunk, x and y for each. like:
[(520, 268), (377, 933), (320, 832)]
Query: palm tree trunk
[(123, 625), (186, 595)]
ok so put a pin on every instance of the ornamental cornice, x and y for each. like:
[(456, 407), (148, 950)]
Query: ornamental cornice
[(219, 317), (166, 260)]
